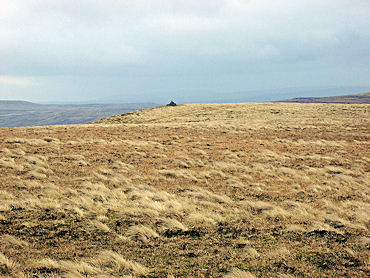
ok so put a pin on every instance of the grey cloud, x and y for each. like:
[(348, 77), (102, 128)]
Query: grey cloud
[(183, 39)]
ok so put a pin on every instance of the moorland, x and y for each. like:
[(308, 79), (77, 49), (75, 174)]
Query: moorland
[(201, 190)]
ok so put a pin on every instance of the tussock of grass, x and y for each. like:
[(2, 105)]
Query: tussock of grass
[(164, 224), (78, 269), (13, 153), (141, 233), (10, 163), (237, 273), (112, 262), (8, 266), (13, 242), (99, 226)]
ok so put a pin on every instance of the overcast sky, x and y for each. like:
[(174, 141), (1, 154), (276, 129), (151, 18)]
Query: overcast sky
[(54, 50)]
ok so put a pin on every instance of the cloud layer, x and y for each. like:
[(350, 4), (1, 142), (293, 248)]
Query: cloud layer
[(187, 44)]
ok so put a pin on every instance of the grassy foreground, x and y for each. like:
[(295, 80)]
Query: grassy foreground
[(222, 190)]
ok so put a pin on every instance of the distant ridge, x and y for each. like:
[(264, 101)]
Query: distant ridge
[(16, 102), (348, 99)]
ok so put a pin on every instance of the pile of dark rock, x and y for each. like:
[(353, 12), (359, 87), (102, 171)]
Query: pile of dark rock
[(172, 104)]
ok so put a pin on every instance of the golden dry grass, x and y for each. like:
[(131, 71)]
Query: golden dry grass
[(234, 190)]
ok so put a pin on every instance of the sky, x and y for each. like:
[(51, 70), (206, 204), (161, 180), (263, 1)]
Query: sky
[(185, 50)]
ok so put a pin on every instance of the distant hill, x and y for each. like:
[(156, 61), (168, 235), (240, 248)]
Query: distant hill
[(16, 103), (354, 99), (23, 113)]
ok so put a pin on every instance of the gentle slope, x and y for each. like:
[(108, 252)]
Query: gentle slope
[(234, 190)]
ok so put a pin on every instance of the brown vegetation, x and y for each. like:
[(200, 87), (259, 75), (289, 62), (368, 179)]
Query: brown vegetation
[(234, 190)]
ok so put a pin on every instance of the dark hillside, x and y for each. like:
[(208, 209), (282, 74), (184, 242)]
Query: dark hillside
[(354, 99)]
